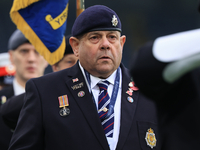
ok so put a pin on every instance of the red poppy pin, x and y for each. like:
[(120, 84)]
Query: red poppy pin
[(132, 86)]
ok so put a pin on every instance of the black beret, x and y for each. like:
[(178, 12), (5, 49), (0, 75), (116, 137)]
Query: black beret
[(68, 49), (16, 39), (96, 18)]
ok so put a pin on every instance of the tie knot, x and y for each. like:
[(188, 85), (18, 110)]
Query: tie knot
[(103, 85)]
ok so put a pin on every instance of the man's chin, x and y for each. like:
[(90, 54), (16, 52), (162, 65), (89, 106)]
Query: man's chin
[(106, 70), (29, 76)]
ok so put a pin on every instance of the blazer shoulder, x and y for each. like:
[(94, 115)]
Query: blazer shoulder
[(59, 75), (8, 92)]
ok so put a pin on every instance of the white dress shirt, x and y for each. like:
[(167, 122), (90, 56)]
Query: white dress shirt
[(117, 108), (18, 89)]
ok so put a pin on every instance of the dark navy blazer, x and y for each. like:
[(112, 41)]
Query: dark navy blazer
[(5, 132), (11, 109), (40, 125)]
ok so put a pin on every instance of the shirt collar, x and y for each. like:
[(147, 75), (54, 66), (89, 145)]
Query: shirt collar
[(95, 80), (18, 89)]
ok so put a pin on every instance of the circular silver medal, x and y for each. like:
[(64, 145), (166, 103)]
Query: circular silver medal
[(64, 112)]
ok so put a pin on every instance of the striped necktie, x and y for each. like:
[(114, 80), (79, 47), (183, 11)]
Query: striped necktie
[(103, 106)]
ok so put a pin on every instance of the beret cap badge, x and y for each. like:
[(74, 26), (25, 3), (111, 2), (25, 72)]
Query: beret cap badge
[(114, 21)]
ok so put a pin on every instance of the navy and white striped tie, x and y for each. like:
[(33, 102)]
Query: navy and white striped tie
[(103, 106)]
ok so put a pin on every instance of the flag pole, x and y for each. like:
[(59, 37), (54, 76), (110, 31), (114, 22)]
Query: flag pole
[(80, 7)]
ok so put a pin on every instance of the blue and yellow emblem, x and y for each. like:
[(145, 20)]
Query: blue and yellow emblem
[(43, 23), (150, 138)]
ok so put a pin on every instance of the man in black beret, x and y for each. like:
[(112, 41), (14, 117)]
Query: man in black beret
[(28, 64), (167, 70), (11, 109), (93, 105)]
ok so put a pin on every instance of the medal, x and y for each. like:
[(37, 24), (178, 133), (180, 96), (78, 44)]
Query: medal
[(64, 111), (63, 102)]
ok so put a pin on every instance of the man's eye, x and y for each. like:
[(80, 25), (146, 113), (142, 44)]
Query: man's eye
[(112, 36), (69, 62), (94, 37), (23, 51)]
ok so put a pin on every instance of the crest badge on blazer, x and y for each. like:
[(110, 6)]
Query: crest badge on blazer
[(150, 138)]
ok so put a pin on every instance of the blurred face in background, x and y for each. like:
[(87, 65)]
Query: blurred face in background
[(66, 62), (27, 62)]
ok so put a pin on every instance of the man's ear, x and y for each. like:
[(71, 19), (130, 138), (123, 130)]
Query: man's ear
[(74, 42), (122, 40), (54, 68), (11, 56)]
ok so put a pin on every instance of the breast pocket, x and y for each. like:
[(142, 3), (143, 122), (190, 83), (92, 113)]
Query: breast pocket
[(149, 136)]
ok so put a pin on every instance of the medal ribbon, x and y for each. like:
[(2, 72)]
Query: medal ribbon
[(63, 101)]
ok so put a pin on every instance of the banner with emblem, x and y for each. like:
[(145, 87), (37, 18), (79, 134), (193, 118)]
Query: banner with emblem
[(43, 22)]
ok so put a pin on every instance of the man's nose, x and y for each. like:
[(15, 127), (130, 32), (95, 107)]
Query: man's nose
[(32, 56), (105, 43)]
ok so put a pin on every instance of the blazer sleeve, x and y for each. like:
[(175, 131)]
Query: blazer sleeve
[(11, 109), (146, 71), (29, 132)]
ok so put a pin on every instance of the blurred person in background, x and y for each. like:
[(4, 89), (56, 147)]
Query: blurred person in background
[(28, 64), (68, 60), (11, 109), (167, 70), (7, 70)]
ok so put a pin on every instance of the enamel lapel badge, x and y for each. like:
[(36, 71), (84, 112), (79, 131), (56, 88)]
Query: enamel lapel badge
[(75, 80), (130, 91), (77, 86), (132, 86), (63, 102), (81, 94), (150, 138)]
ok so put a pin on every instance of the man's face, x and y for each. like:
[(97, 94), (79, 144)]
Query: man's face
[(100, 52), (27, 61), (68, 61)]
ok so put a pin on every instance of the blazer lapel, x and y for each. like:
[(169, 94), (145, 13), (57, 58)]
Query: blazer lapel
[(85, 102), (127, 108)]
